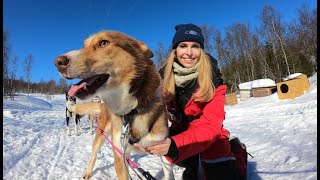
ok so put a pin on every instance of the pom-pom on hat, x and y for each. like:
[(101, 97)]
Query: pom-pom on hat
[(187, 32)]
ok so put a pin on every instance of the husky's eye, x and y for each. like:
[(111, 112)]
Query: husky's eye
[(103, 43)]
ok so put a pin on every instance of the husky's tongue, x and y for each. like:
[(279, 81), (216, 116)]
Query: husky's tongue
[(75, 88), (88, 86)]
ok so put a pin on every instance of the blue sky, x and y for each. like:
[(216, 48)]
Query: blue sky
[(48, 28)]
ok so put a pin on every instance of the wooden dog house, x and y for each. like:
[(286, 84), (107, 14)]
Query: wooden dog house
[(263, 87), (231, 99), (293, 86), (263, 91)]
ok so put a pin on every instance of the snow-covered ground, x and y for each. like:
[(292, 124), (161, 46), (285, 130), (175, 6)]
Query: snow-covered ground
[(280, 134)]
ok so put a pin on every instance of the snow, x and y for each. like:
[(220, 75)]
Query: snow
[(280, 134), (292, 76), (245, 85), (259, 83)]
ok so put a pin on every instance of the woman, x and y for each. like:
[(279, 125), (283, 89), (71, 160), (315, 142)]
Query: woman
[(194, 94)]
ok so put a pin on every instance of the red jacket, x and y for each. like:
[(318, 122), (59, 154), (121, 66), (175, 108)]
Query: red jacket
[(206, 134)]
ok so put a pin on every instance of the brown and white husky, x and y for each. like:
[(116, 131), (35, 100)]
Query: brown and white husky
[(118, 69)]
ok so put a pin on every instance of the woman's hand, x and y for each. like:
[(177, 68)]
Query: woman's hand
[(160, 148)]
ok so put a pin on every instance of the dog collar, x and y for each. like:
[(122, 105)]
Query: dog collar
[(128, 117), (132, 112), (126, 125)]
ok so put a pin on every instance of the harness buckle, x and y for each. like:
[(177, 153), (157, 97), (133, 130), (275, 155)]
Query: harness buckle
[(125, 129)]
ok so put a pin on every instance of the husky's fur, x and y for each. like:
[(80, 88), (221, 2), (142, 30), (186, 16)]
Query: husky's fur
[(118, 69)]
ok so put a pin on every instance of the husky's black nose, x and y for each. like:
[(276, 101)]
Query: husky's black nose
[(61, 62)]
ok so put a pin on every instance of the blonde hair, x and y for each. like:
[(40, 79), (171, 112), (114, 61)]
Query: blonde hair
[(205, 93)]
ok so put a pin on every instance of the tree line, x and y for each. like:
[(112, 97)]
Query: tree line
[(13, 85), (51, 87), (273, 49)]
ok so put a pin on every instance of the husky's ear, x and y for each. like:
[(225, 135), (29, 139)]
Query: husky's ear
[(146, 50)]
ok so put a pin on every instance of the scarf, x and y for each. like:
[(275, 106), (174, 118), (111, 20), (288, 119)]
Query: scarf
[(183, 75)]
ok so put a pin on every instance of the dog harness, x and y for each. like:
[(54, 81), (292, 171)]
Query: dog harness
[(127, 119), (124, 139)]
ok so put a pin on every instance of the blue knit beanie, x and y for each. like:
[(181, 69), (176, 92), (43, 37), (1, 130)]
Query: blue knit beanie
[(187, 32)]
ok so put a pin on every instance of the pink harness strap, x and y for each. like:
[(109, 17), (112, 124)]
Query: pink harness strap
[(134, 165), (146, 174)]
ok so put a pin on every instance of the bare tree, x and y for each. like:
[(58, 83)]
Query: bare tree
[(208, 36), (20, 84), (52, 87), (231, 57), (270, 16), (303, 36), (42, 86), (63, 86), (219, 47), (278, 34), (12, 87), (161, 54), (244, 41), (264, 68), (28, 62), (6, 56), (307, 22), (237, 38)]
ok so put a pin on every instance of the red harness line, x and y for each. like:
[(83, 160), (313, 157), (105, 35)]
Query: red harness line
[(134, 165)]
